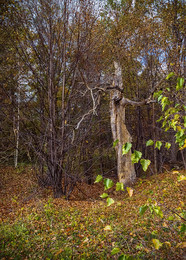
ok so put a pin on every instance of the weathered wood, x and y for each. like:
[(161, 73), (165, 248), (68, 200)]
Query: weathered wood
[(125, 168)]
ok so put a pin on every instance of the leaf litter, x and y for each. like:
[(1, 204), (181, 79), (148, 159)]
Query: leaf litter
[(35, 225)]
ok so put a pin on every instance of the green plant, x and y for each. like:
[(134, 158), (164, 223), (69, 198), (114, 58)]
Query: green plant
[(152, 207), (173, 110), (49, 209)]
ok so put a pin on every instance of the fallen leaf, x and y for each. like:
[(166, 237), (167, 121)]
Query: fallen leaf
[(59, 252), (146, 250), (167, 243), (86, 240), (130, 191), (181, 245), (115, 251), (157, 243), (165, 225), (175, 172), (107, 228), (181, 178)]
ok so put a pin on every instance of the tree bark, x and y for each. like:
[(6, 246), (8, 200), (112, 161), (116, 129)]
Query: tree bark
[(125, 167), (154, 139), (16, 129)]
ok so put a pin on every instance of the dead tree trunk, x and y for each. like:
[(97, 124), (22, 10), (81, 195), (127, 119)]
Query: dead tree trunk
[(125, 167)]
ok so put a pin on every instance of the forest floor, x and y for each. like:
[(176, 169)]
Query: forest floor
[(33, 225)]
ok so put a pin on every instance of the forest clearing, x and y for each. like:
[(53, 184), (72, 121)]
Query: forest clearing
[(34, 225)]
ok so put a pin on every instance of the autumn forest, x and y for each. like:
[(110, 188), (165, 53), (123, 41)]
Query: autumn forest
[(92, 129)]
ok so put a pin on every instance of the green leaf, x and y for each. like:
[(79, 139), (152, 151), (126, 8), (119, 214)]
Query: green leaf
[(158, 211), (108, 184), (160, 214), (184, 118), (115, 143), (119, 186), (167, 145), (164, 123), (126, 148), (136, 156), (167, 128), (104, 195), (180, 82), (122, 257), (170, 75), (183, 228), (157, 94), (165, 101), (145, 164), (173, 124), (170, 218), (149, 142), (142, 209), (115, 250), (157, 243), (176, 117), (110, 201), (161, 117), (158, 144), (180, 137), (98, 178), (160, 97)]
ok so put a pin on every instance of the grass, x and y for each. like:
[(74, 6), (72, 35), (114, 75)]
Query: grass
[(33, 225)]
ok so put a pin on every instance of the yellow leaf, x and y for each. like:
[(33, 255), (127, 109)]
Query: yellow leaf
[(86, 240), (175, 172), (181, 178), (182, 203), (165, 225), (184, 146), (157, 243), (107, 228), (167, 243), (181, 245), (130, 191)]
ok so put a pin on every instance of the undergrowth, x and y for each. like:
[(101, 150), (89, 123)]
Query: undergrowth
[(56, 229)]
